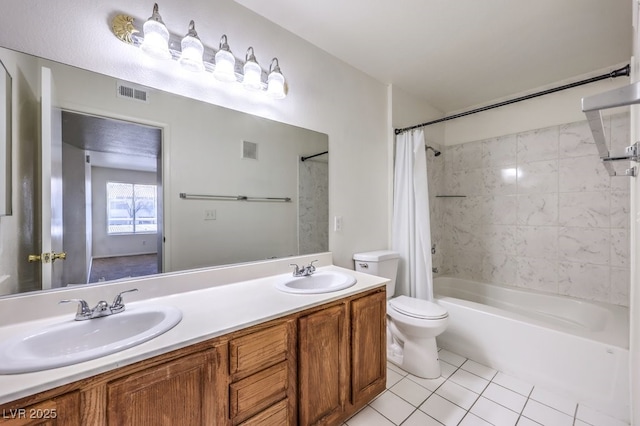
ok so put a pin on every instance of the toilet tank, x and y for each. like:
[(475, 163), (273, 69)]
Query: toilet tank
[(382, 263)]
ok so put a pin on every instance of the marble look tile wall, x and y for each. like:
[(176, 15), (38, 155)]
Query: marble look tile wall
[(539, 212), (313, 207)]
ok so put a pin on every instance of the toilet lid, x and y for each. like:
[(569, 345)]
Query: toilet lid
[(418, 308)]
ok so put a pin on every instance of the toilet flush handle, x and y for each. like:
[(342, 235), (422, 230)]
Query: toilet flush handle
[(364, 265)]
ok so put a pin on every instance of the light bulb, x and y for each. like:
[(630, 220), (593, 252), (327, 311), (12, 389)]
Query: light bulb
[(192, 50), (225, 62), (156, 36), (252, 79), (275, 81)]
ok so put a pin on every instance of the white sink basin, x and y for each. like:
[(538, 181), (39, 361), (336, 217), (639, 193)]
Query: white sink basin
[(73, 341), (319, 282)]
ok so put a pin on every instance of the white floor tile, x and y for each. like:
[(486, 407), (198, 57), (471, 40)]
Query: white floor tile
[(442, 410), (431, 384), (546, 415), (553, 400), (457, 394), (392, 378), (596, 418), (510, 382), (506, 397), (392, 366), (469, 381), (411, 392), (523, 421), (418, 418), (479, 369), (447, 369), (494, 413), (451, 358), (392, 407), (473, 420), (368, 417)]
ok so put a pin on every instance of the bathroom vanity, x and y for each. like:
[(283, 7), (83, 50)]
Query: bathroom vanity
[(318, 361)]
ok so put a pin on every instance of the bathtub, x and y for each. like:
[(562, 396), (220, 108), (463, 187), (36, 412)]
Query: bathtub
[(571, 346)]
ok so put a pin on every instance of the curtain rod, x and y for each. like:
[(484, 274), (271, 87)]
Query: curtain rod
[(314, 155), (624, 71)]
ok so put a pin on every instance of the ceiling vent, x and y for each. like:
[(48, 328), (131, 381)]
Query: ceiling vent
[(132, 91), (249, 150)]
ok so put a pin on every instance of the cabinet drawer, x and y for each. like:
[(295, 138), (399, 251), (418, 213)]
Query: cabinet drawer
[(253, 394), (256, 351), (276, 415)]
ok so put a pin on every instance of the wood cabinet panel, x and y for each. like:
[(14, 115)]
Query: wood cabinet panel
[(256, 351), (253, 394), (276, 415), (323, 365), (179, 392), (63, 410), (368, 347)]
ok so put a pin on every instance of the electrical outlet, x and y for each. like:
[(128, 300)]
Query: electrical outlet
[(337, 223), (209, 214)]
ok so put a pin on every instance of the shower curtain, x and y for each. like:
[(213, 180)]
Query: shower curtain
[(411, 233)]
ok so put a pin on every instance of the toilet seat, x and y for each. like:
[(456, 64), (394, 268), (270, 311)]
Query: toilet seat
[(418, 308)]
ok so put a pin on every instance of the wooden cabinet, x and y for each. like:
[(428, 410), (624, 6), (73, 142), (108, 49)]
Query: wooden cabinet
[(342, 351), (323, 365), (262, 371), (61, 410), (368, 347), (315, 367), (178, 392)]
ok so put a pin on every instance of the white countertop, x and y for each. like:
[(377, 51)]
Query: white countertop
[(207, 313)]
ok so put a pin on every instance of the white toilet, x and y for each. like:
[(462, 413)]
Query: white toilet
[(412, 324)]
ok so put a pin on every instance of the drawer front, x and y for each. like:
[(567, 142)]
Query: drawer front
[(276, 415), (259, 350), (253, 394)]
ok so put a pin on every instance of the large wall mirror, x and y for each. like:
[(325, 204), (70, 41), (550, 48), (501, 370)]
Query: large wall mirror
[(5, 141), (152, 182)]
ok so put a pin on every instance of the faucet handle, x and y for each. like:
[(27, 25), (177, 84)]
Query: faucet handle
[(84, 311), (312, 268), (296, 269), (117, 304)]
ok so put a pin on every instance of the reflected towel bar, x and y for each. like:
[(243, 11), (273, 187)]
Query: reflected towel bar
[(592, 105), (186, 196)]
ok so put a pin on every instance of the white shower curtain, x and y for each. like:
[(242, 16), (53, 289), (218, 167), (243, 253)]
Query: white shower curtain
[(411, 233)]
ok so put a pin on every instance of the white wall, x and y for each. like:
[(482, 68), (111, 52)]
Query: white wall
[(18, 232), (325, 94)]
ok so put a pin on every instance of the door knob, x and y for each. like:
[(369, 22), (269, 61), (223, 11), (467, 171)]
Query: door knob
[(47, 257), (55, 256)]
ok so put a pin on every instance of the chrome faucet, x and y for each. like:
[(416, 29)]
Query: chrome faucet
[(102, 309), (305, 271)]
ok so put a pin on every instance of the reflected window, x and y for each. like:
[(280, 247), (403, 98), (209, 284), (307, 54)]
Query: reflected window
[(131, 208)]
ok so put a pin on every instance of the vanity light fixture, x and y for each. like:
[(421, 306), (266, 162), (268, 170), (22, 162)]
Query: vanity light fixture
[(225, 62), (156, 36), (156, 40), (252, 72), (192, 50), (275, 81)]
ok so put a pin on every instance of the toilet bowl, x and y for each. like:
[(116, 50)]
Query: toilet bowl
[(412, 324)]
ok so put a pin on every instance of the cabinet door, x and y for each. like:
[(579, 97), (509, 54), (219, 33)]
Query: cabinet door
[(368, 347), (181, 392), (323, 366), (58, 411)]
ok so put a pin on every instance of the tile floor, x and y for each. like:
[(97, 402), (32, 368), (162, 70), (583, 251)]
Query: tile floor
[(471, 394)]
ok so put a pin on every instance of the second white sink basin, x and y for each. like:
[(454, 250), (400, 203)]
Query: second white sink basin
[(319, 282), (73, 341)]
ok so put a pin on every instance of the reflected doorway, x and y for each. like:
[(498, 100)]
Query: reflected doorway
[(112, 198)]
